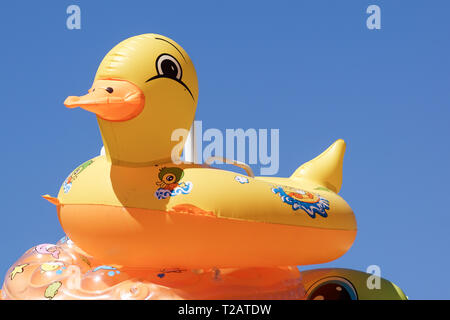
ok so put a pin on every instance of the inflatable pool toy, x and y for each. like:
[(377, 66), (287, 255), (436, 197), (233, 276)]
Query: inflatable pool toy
[(135, 207), (76, 275), (142, 225), (346, 284)]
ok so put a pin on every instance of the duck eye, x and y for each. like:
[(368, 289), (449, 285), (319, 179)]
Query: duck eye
[(109, 89), (168, 66), (336, 289), (169, 178)]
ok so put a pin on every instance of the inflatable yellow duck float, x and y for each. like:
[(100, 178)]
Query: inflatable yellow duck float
[(136, 208)]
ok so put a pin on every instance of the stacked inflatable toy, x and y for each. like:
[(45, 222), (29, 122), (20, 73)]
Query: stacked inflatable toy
[(141, 226)]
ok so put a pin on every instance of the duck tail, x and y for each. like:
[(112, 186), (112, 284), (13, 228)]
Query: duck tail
[(325, 169), (51, 199)]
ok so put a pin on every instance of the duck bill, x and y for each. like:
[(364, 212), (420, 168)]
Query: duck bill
[(112, 100)]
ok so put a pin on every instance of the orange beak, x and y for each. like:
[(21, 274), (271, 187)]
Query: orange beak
[(113, 100)]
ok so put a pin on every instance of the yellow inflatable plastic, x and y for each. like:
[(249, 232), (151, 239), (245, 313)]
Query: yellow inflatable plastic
[(135, 207), (346, 284), (185, 225)]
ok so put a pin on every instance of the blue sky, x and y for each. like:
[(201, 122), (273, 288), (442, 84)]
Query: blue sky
[(309, 68)]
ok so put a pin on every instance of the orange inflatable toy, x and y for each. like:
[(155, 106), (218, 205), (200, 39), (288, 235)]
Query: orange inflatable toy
[(64, 272)]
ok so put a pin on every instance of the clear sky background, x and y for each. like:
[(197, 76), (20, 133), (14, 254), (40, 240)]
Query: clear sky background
[(309, 68)]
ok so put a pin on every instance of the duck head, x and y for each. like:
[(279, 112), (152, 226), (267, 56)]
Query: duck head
[(145, 88)]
